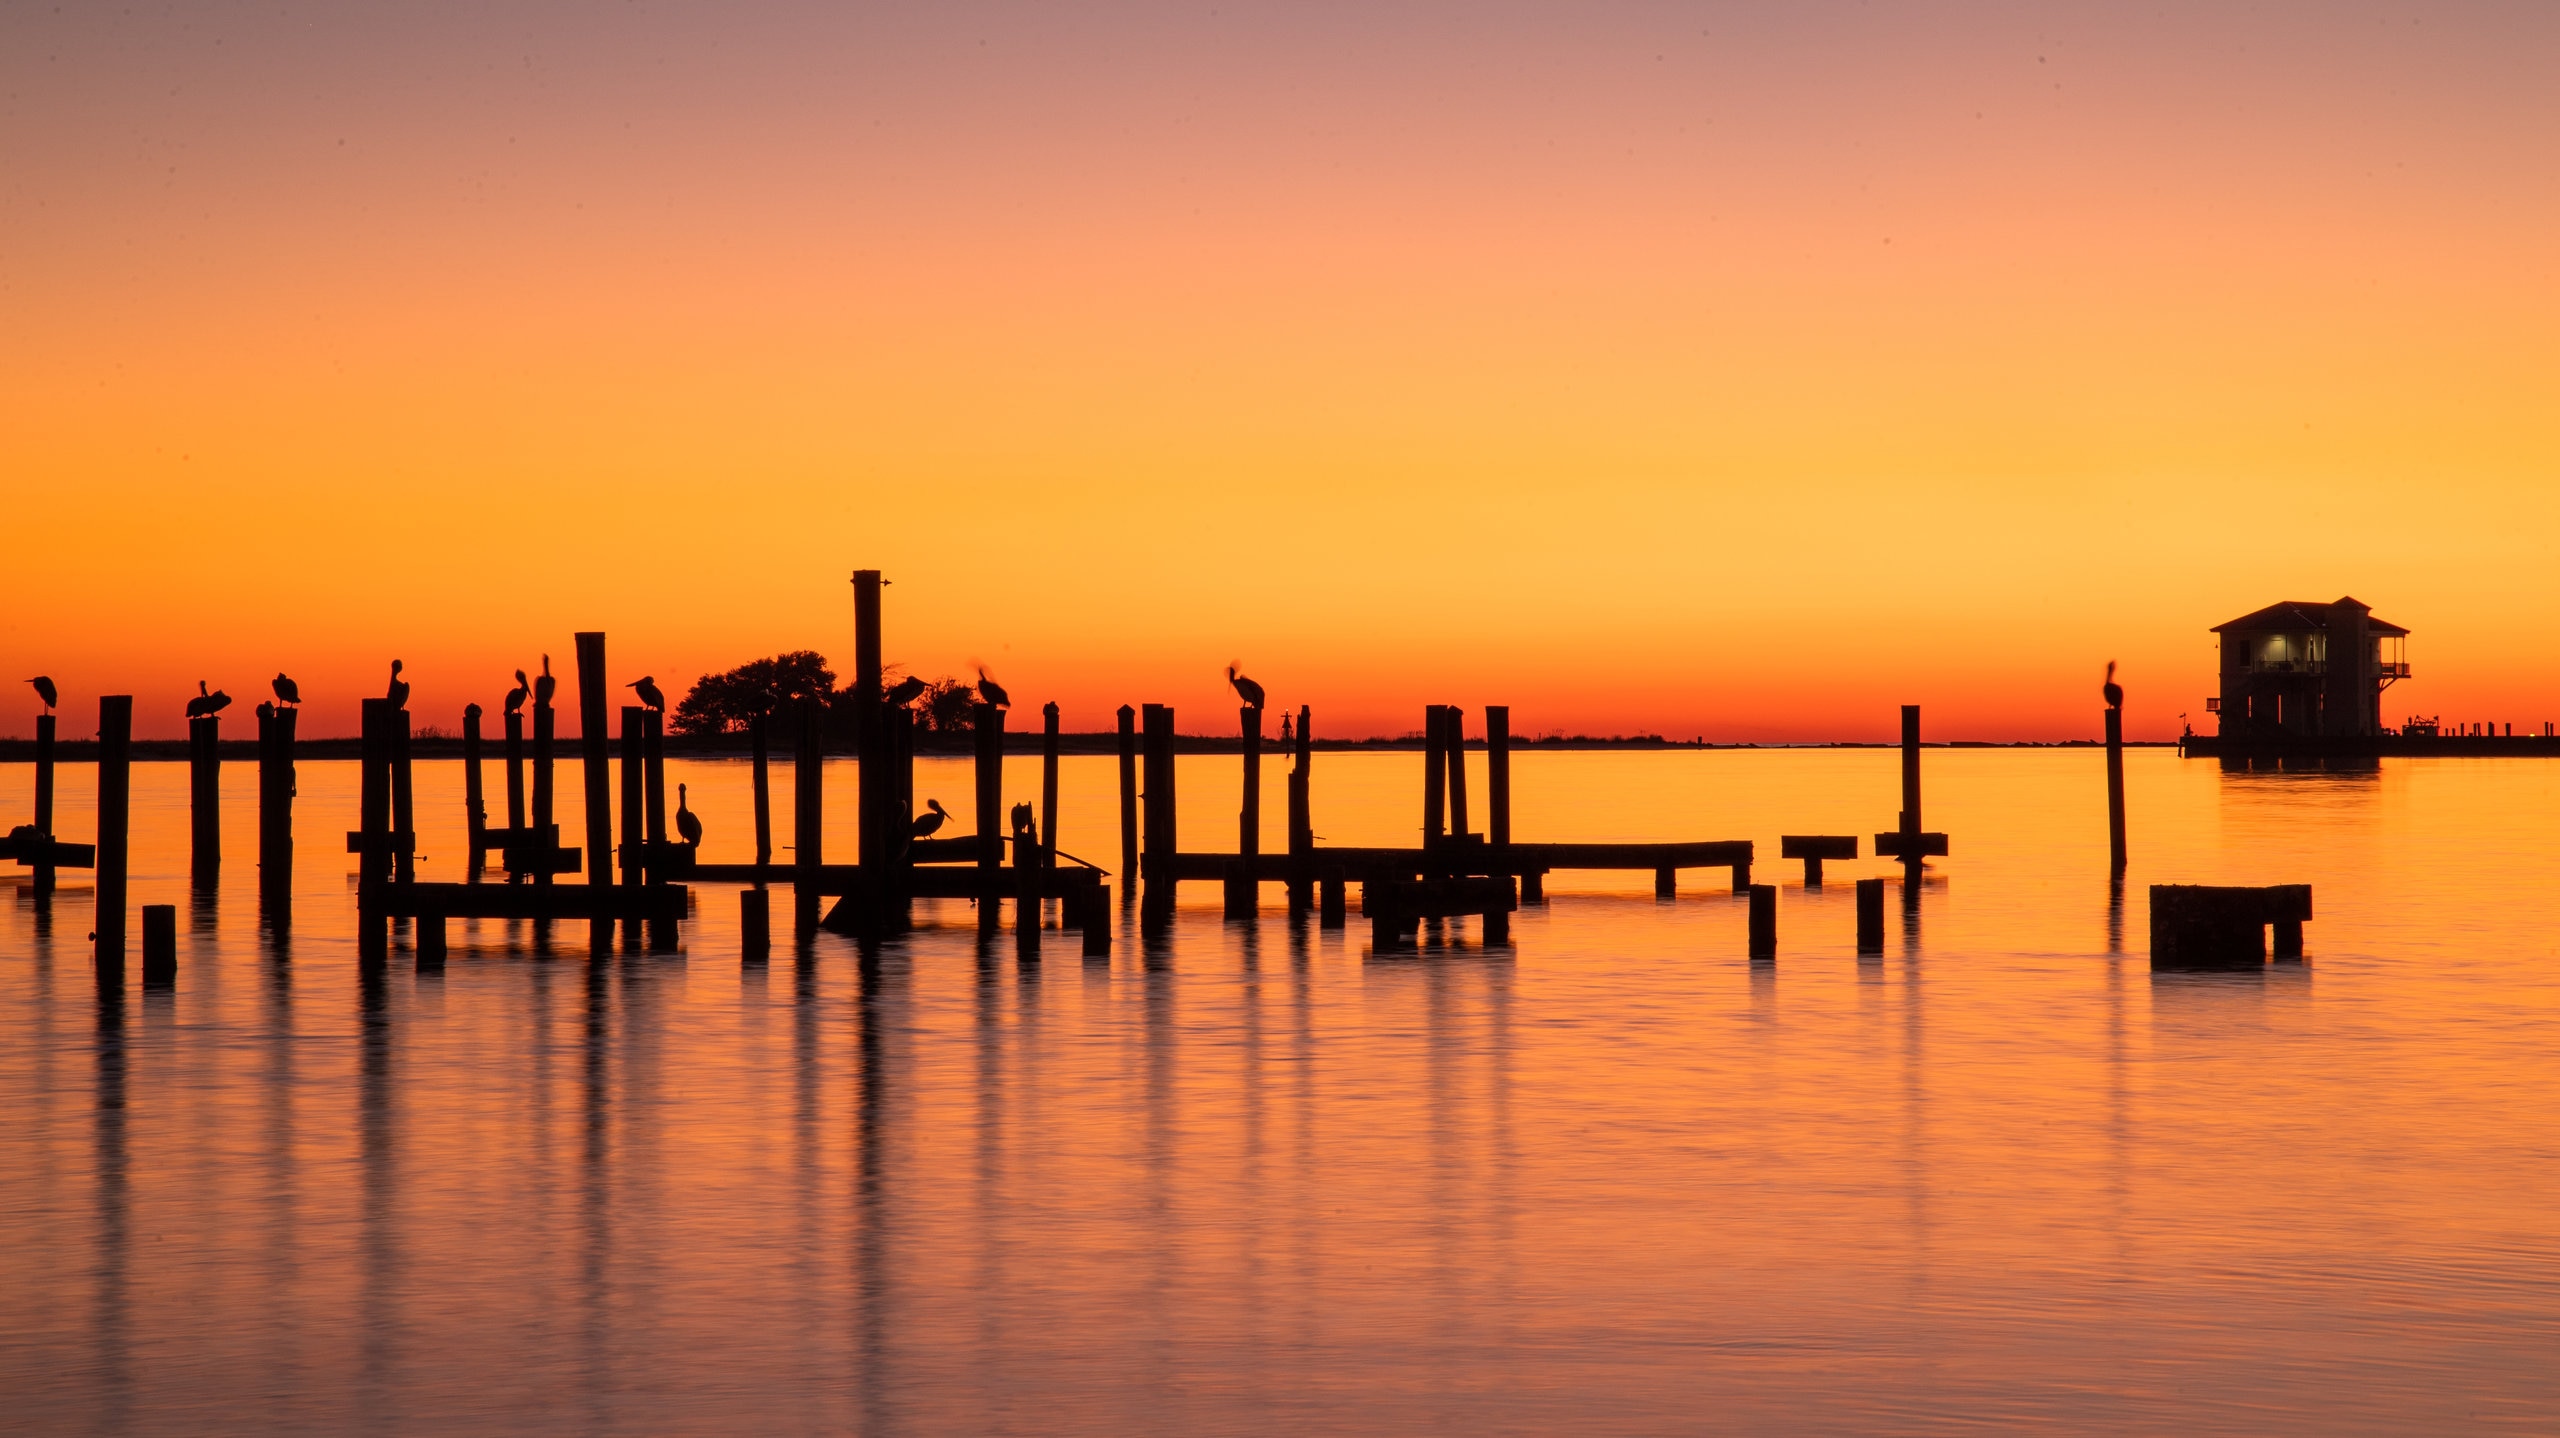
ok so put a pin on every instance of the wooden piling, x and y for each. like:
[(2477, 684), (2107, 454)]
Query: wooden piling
[(901, 818), (763, 793), (1302, 828), (44, 867), (1453, 722), (872, 841), (1155, 911), (653, 784), (2115, 787), (475, 807), (1911, 825), (1242, 892), (159, 945), (987, 728), (1049, 787), (275, 811), (373, 830), (115, 814), (204, 795), (430, 931), (1764, 921), (1871, 916), (755, 924), (1128, 802), (1666, 883), (1097, 922), (635, 723), (1027, 869), (1497, 777), (808, 816), (1333, 903), (515, 771), (404, 808), (594, 686), (1435, 778), (545, 818)]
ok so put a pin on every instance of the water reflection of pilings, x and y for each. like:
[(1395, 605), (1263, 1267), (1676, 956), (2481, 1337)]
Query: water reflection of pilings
[(595, 1154), (377, 1164), (111, 1319), (874, 1294)]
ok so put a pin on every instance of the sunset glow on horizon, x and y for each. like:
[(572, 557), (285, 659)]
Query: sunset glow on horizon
[(1650, 369)]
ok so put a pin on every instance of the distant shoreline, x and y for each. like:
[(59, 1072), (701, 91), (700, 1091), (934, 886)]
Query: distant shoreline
[(734, 746)]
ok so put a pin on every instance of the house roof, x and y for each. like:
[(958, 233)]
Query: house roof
[(2294, 616)]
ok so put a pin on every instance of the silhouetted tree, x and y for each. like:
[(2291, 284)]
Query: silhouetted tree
[(723, 703), (947, 705)]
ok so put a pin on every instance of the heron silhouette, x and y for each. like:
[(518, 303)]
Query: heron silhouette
[(924, 825), (398, 693), (517, 695), (2111, 689), (45, 690), (647, 686), (1250, 691), (991, 691), (204, 703), (287, 692), (544, 685), (904, 692), (688, 823)]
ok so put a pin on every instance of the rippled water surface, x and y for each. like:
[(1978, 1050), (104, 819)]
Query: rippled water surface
[(1614, 1178)]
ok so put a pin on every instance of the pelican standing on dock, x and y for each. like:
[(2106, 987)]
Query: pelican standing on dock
[(688, 823), (398, 693), (45, 690), (647, 687), (1246, 688), (287, 692), (991, 691), (924, 825)]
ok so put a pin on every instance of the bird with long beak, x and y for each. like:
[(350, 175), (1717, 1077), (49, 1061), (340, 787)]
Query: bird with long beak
[(1246, 689), (45, 690), (2112, 690), (647, 687), (398, 693), (287, 692), (924, 825), (517, 695), (990, 691)]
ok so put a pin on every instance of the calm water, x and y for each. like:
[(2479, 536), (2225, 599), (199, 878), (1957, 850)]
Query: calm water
[(1614, 1179)]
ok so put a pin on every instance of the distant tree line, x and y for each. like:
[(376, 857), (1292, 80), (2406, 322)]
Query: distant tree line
[(723, 703)]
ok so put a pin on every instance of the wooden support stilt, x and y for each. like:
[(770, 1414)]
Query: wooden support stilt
[(1497, 778), (1454, 736), (1333, 905), (1302, 831), (653, 789), (1097, 922), (1533, 886), (1871, 916), (594, 689), (1242, 893), (276, 727), (1911, 827), (475, 806), (2115, 787), (902, 818), (988, 722), (1049, 785), (1027, 870), (1764, 921), (1435, 779), (515, 770), (204, 793), (159, 945), (633, 856), (873, 843), (373, 831), (763, 790), (44, 867), (1155, 911), (1128, 802), (546, 827), (404, 806), (115, 814), (431, 942), (1666, 883), (808, 816), (755, 924)]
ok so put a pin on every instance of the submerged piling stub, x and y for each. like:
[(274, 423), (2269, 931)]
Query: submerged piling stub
[(1871, 916), (755, 924), (2207, 926), (159, 945), (1764, 921)]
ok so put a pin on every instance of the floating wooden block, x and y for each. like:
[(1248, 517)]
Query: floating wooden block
[(2207, 926)]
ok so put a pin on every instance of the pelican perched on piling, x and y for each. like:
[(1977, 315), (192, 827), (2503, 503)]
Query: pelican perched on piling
[(904, 692), (924, 825), (516, 696), (647, 687), (688, 823), (2111, 689), (207, 703), (1246, 688), (287, 692), (1023, 820), (544, 685), (991, 691), (45, 690), (398, 693)]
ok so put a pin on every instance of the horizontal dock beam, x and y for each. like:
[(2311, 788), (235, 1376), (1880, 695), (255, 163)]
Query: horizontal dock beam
[(925, 881)]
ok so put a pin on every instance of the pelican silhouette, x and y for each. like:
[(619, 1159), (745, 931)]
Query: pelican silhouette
[(544, 685), (45, 690), (398, 693), (1023, 822), (647, 685), (1251, 692), (926, 823), (903, 692), (991, 691), (266, 709), (516, 696), (2111, 689), (287, 692), (688, 823), (204, 703)]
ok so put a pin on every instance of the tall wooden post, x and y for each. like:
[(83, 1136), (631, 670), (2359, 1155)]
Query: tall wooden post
[(2115, 787), (404, 807), (115, 812), (276, 726), (808, 816), (763, 793), (1155, 911), (1027, 868), (1128, 803), (204, 793), (1435, 778), (901, 818), (873, 844), (1912, 858), (1455, 735), (1302, 831), (593, 687), (475, 805), (1243, 886), (653, 783), (1497, 776), (44, 802), (546, 821), (635, 724), (373, 830), (1049, 787), (988, 730), (515, 770)]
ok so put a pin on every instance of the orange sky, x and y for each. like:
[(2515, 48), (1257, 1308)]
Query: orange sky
[(1737, 371)]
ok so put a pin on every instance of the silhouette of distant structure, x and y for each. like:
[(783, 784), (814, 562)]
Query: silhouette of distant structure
[(2307, 670)]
